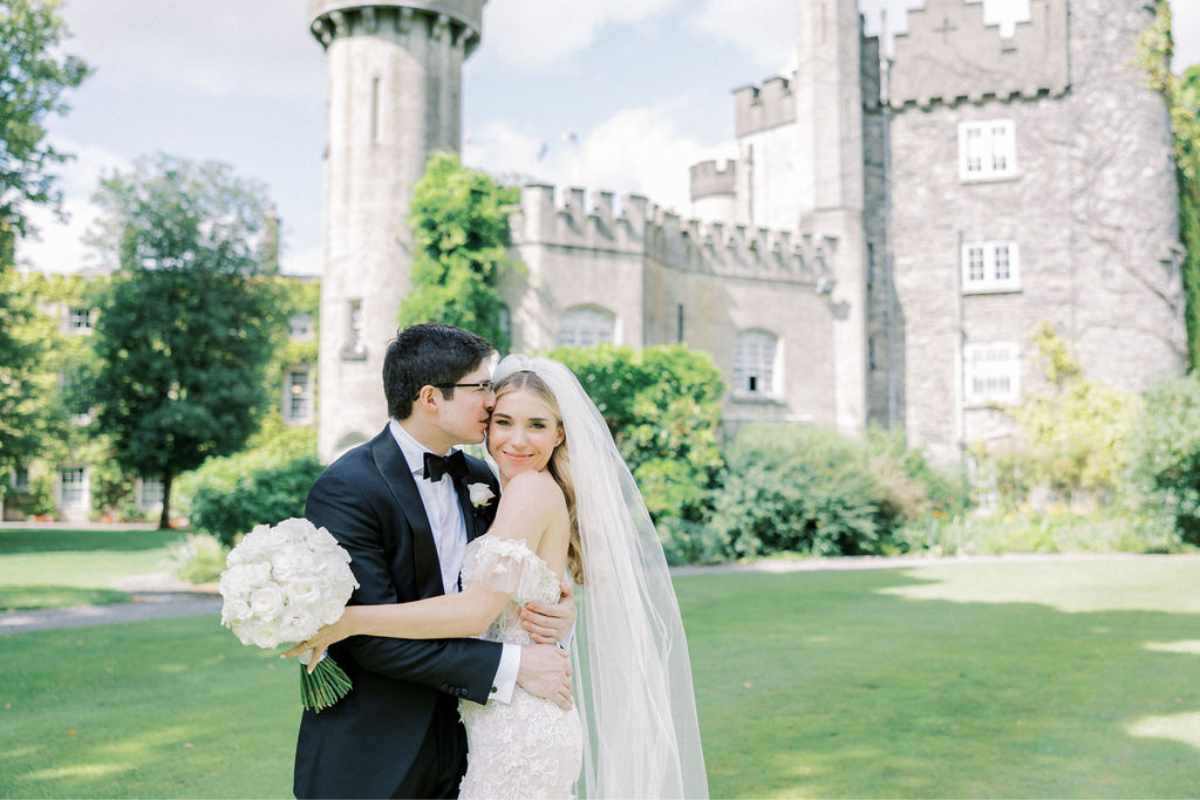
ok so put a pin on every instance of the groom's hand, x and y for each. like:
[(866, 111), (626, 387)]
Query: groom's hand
[(545, 671), (548, 623)]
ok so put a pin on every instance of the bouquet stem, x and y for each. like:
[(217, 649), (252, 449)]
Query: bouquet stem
[(326, 685)]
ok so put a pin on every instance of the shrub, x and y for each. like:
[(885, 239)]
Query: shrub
[(799, 488), (1166, 454), (274, 444), (199, 558), (265, 496), (663, 406)]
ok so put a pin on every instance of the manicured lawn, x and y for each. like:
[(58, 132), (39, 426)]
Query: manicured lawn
[(1014, 679), (45, 568)]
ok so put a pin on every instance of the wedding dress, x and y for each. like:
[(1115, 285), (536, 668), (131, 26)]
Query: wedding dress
[(529, 748)]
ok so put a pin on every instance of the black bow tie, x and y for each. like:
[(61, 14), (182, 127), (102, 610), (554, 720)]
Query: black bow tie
[(454, 465)]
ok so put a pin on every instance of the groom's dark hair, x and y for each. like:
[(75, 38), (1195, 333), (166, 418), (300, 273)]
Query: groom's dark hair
[(428, 354)]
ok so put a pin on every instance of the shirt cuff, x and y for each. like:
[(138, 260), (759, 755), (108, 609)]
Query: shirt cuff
[(506, 674)]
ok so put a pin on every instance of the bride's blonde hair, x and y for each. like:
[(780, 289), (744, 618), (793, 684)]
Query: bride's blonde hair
[(560, 460)]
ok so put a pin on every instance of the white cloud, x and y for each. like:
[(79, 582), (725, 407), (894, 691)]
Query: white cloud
[(218, 49), (532, 34), (60, 246), (765, 30), (638, 151)]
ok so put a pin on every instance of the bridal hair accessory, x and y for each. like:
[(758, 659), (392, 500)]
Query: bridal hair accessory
[(642, 737), (282, 584)]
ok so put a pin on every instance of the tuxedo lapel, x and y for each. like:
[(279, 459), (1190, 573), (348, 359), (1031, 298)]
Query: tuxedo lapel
[(468, 510), (394, 469)]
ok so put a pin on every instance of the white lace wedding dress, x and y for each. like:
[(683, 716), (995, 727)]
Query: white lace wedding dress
[(529, 748)]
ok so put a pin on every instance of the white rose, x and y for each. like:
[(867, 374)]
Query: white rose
[(303, 590), (236, 609), (481, 494), (267, 602), (332, 611), (262, 635)]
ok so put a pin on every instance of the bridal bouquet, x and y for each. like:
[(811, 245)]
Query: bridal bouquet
[(281, 585)]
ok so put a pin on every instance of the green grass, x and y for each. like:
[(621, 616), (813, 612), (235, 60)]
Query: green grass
[(41, 568), (1011, 679)]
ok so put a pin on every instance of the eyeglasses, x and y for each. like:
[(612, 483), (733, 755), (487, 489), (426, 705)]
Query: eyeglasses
[(482, 387)]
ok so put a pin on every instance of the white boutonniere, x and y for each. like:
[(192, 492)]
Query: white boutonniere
[(481, 494)]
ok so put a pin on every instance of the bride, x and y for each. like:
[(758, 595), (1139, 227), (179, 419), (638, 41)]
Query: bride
[(571, 505)]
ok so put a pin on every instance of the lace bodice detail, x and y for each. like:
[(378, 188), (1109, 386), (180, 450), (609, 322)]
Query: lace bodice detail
[(508, 565)]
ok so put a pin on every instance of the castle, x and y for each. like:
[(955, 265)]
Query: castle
[(880, 251)]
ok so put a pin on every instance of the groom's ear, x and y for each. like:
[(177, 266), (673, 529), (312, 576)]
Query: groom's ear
[(428, 398)]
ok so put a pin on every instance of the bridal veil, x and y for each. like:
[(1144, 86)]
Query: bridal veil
[(633, 679)]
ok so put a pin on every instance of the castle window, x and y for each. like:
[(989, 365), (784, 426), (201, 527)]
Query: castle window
[(754, 364), (987, 150), (300, 327), (504, 321), (19, 479), (297, 396), (990, 267), (355, 348), (150, 493), (79, 320), (72, 487), (585, 326), (992, 373)]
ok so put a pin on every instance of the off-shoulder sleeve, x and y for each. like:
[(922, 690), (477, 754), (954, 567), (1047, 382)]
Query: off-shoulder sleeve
[(504, 565)]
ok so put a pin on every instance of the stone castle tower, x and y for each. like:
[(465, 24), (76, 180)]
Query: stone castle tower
[(880, 251), (395, 78)]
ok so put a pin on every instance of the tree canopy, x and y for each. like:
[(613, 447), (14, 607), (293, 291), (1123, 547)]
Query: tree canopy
[(33, 76), (460, 233), (186, 330)]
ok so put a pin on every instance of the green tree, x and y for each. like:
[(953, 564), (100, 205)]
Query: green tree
[(461, 236), (30, 414), (33, 76), (1182, 96), (663, 406), (187, 327)]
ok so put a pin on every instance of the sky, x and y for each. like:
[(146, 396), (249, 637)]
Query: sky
[(619, 95)]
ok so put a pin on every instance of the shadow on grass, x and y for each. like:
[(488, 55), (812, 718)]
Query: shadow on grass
[(833, 685), (33, 540), (18, 598)]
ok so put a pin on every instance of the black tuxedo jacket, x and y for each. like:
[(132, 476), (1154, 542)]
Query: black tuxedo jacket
[(366, 743)]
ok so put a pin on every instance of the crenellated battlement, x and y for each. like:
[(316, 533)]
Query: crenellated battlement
[(757, 108), (949, 55), (457, 22), (709, 179), (643, 229)]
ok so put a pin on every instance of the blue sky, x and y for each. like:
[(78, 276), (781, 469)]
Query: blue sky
[(645, 86)]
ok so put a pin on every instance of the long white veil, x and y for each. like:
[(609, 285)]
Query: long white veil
[(633, 679)]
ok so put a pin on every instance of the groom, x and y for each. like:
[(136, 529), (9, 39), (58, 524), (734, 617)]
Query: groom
[(404, 513)]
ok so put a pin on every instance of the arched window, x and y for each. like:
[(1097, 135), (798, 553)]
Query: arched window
[(584, 326), (754, 364)]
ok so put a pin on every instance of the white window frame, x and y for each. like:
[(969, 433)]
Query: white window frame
[(756, 361), (987, 150), (300, 327), (76, 314), (292, 390), (982, 271), (584, 326), (73, 502), (991, 373), (150, 494)]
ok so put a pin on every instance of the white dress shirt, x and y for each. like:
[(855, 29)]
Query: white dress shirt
[(450, 538)]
